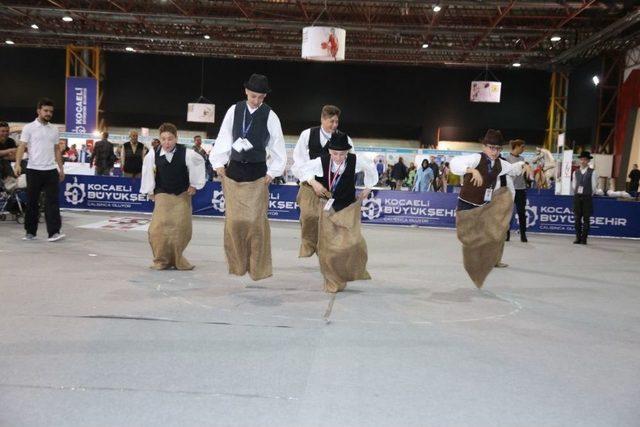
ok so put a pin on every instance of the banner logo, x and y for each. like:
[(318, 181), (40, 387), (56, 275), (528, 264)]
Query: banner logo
[(218, 201), (371, 208), (75, 193)]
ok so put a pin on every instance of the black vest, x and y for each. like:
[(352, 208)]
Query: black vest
[(315, 148), (258, 134), (172, 177), (345, 192), (133, 160), (584, 181), (475, 195)]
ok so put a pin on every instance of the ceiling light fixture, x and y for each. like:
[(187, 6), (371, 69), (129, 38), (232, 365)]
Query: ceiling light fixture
[(9, 42), (556, 38), (207, 36), (425, 45), (67, 18), (517, 64), (437, 8), (35, 26), (129, 49), (595, 80)]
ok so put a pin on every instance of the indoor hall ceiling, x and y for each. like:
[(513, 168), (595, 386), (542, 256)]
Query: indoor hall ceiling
[(462, 33)]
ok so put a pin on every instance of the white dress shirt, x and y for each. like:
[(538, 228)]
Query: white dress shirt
[(460, 164), (594, 180), (41, 140), (313, 168), (276, 150), (301, 151), (195, 165)]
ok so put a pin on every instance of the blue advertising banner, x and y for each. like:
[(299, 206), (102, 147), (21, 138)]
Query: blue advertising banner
[(545, 212), (81, 105)]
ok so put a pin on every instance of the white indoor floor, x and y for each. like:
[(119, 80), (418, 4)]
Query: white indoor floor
[(90, 336)]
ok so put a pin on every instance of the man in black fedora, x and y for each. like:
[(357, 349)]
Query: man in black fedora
[(342, 251), (584, 183), (484, 208), (248, 154)]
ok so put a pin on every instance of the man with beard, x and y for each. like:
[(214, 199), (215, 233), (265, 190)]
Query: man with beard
[(40, 138)]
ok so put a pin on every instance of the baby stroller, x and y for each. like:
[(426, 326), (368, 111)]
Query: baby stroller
[(12, 199)]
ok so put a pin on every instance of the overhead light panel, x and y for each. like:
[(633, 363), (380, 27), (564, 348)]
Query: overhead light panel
[(9, 42), (35, 26), (425, 45), (67, 18), (129, 49), (437, 8), (517, 64), (207, 36), (556, 38)]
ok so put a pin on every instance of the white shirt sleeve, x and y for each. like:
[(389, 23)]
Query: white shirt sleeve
[(277, 151), (311, 169), (353, 146), (197, 173), (594, 181), (573, 181), (370, 172), (459, 164), (511, 169), (148, 183), (301, 153), (219, 155), (25, 135)]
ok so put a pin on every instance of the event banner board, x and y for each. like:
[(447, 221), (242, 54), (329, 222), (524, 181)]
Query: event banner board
[(545, 212), (81, 101)]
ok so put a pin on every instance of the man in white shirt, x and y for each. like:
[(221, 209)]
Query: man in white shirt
[(311, 145), (40, 138), (171, 174), (584, 182), (342, 250), (248, 154)]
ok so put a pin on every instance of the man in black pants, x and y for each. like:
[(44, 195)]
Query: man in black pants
[(520, 186), (40, 138), (584, 183)]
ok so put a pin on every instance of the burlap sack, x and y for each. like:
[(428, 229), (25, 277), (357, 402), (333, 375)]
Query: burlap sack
[(310, 207), (170, 231), (247, 236), (482, 232), (341, 248)]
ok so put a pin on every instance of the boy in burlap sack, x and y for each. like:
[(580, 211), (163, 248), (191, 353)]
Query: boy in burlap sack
[(312, 144), (171, 174), (342, 250), (484, 210), (248, 154)]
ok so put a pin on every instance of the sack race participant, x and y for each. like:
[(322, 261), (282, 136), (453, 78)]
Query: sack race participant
[(312, 144), (171, 174), (248, 154), (483, 213), (342, 250)]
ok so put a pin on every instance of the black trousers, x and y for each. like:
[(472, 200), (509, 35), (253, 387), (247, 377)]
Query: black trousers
[(521, 210), (582, 210), (38, 181)]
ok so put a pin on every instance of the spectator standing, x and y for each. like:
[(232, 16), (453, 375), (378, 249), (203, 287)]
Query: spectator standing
[(103, 156), (41, 138)]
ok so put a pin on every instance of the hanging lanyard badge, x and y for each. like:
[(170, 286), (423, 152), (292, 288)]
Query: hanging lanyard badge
[(245, 127), (333, 184), (242, 143)]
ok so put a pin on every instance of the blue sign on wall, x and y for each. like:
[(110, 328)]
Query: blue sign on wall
[(81, 105), (545, 212)]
